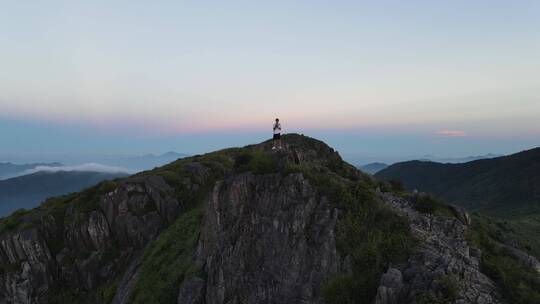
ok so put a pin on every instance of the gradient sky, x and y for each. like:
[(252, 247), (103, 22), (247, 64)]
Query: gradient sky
[(380, 79)]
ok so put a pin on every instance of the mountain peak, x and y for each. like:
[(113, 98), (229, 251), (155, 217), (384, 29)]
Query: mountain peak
[(298, 148), (242, 225)]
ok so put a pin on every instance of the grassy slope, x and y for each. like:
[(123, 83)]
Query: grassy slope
[(168, 261)]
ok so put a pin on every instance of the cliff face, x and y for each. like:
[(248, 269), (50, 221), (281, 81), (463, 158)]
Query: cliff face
[(69, 250), (246, 225), (266, 239)]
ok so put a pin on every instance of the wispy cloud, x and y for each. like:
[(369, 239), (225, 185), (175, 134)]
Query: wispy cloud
[(451, 133), (89, 167)]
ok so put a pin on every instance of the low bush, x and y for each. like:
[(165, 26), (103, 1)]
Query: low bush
[(11, 222), (428, 204), (396, 185), (256, 161)]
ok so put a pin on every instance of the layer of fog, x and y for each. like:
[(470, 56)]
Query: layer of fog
[(88, 167)]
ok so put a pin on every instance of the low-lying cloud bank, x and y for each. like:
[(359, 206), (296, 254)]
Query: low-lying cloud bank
[(89, 167), (451, 133)]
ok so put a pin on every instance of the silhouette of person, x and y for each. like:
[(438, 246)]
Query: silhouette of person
[(277, 135)]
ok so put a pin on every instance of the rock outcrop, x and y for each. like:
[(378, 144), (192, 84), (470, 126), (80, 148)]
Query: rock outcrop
[(441, 267), (266, 239)]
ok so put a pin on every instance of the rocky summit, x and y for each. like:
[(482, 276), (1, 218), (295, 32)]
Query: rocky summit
[(250, 225)]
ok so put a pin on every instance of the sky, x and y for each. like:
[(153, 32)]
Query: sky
[(378, 80)]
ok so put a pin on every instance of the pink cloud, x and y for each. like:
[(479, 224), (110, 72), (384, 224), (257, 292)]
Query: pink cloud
[(451, 133)]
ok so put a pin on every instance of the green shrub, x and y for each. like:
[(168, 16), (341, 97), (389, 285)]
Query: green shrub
[(107, 186), (256, 161), (396, 185), (351, 288), (13, 221), (220, 157), (107, 292), (448, 285), (446, 291), (172, 178), (88, 200), (9, 267), (426, 203)]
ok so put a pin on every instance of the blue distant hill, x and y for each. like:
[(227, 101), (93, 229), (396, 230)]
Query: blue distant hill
[(8, 170), (373, 167), (28, 191)]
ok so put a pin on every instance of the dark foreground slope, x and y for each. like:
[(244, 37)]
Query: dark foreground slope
[(249, 225), (503, 186), (28, 191)]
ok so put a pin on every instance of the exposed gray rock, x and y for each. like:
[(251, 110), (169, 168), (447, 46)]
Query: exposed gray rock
[(461, 214), (524, 258), (267, 239), (191, 291), (390, 287), (442, 254), (475, 253), (123, 291)]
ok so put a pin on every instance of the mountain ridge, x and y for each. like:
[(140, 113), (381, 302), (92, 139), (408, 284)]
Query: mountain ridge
[(502, 186), (249, 225)]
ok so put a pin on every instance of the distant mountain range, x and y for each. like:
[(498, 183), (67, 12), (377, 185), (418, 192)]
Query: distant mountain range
[(29, 190), (98, 163), (366, 163), (503, 186), (457, 160), (139, 163), (373, 167), (26, 185), (8, 170)]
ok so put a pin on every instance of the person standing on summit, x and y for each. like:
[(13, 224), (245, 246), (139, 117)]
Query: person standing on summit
[(277, 135)]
